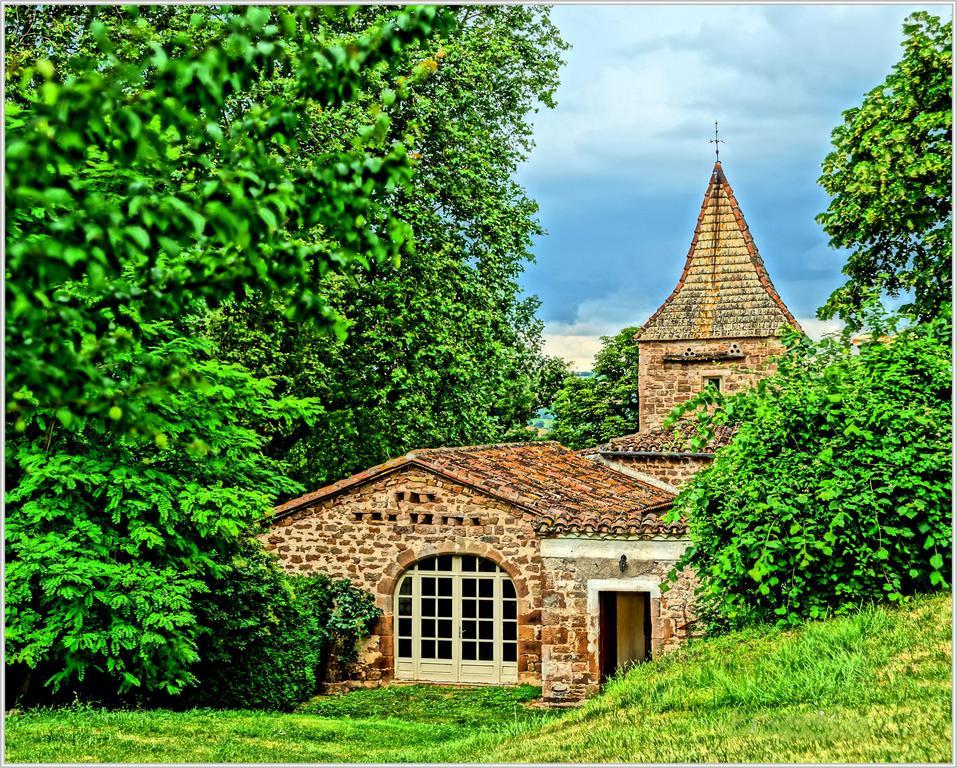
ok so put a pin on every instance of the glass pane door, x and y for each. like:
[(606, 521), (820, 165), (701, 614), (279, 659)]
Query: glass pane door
[(456, 620)]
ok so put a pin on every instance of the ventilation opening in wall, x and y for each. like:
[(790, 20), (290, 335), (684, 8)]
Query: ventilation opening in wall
[(400, 496), (393, 517), (377, 516), (735, 349), (421, 498)]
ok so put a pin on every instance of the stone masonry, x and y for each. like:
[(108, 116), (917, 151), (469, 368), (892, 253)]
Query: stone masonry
[(374, 530), (721, 324), (675, 471), (666, 383), (370, 537)]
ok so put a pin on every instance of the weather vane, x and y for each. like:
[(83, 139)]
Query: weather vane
[(716, 141)]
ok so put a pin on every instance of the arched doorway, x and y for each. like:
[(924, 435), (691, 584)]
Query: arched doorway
[(456, 621)]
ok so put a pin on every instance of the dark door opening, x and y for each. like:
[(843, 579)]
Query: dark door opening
[(624, 630)]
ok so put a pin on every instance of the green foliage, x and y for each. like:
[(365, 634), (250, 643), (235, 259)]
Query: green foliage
[(150, 178), (442, 349), (589, 411), (890, 181), (262, 642), (165, 177), (290, 633), (112, 535), (836, 489), (551, 374), (353, 615)]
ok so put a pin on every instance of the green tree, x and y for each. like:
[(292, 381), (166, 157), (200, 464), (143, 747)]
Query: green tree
[(593, 410), (111, 535), (159, 177), (442, 348), (836, 489), (890, 181), (290, 632), (149, 179), (550, 375)]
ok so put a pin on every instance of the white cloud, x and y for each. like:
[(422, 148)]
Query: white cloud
[(644, 84), (580, 351), (818, 329), (579, 340)]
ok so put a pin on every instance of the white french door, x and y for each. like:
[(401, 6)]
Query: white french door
[(456, 621)]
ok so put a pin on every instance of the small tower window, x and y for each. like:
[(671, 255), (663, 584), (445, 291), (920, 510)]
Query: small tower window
[(712, 381)]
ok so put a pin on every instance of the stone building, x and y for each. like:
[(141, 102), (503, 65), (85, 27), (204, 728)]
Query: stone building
[(521, 562), (721, 325), (531, 562)]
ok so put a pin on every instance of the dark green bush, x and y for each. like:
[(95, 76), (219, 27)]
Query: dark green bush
[(271, 638), (836, 489)]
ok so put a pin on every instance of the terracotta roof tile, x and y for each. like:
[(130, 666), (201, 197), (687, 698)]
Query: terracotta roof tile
[(677, 439), (724, 290), (562, 490)]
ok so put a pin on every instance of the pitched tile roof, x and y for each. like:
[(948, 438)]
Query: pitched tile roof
[(724, 290), (677, 439), (562, 490)]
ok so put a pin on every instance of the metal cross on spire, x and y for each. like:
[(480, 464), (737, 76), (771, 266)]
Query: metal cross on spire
[(716, 141)]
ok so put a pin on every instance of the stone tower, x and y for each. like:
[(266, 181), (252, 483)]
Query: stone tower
[(722, 321), (720, 325)]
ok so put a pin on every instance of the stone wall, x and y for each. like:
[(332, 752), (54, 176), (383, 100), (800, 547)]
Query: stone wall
[(370, 536), (674, 470), (663, 385), (576, 570)]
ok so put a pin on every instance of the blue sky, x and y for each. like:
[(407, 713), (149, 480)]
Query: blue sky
[(621, 165)]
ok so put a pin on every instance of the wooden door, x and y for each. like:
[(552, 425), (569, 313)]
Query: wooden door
[(607, 633)]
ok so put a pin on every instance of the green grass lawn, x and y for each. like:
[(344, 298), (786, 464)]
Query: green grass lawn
[(874, 687), (398, 723)]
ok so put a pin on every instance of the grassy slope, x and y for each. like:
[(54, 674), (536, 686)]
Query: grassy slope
[(873, 687)]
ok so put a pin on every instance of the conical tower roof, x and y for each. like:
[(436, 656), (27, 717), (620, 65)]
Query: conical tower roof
[(724, 290)]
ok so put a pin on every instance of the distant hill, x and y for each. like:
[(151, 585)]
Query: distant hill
[(543, 421)]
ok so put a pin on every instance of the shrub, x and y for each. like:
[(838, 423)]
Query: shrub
[(260, 648), (271, 638), (836, 489), (352, 616)]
